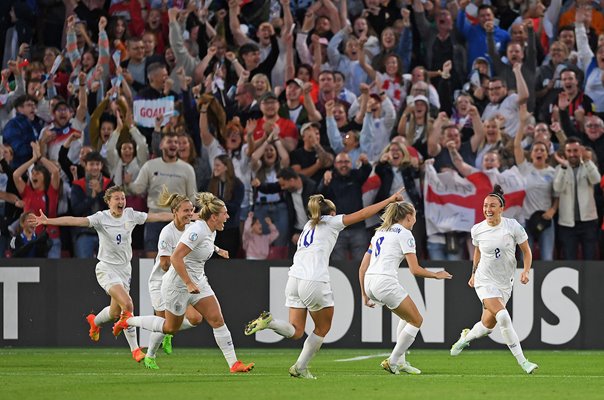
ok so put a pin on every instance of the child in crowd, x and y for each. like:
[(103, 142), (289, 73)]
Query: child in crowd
[(255, 243), (26, 244)]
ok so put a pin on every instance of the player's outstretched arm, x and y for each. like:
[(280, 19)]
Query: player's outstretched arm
[(62, 221), (417, 270)]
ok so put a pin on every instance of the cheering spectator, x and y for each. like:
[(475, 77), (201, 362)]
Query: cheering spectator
[(255, 243), (575, 178)]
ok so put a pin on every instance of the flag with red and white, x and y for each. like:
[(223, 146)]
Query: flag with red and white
[(454, 203)]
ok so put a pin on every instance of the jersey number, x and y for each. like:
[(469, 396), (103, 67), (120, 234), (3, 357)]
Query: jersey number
[(307, 237), (118, 238), (378, 246), (497, 253)]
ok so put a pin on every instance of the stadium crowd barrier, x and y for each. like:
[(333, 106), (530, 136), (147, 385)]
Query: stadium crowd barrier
[(44, 303)]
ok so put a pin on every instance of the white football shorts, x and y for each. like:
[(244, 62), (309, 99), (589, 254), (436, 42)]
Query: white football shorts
[(385, 290), (313, 295)]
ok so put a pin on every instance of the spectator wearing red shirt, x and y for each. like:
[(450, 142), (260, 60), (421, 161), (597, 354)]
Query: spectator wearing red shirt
[(41, 192), (269, 105)]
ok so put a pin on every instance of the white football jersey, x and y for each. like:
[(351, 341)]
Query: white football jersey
[(388, 249), (115, 234), (315, 245), (497, 245), (168, 239), (200, 239)]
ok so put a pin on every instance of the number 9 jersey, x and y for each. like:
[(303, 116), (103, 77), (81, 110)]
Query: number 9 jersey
[(115, 235)]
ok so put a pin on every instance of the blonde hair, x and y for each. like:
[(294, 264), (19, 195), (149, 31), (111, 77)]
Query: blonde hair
[(172, 200), (267, 82), (209, 204), (110, 191), (318, 206), (394, 213), (406, 161)]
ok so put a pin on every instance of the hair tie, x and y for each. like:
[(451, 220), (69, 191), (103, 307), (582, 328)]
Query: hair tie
[(499, 197)]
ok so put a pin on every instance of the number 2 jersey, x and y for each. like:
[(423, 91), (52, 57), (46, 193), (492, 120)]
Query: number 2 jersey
[(115, 235), (388, 249), (315, 245), (497, 245)]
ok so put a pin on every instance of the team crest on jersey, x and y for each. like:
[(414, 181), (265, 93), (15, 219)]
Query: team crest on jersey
[(411, 242), (193, 236), (163, 245)]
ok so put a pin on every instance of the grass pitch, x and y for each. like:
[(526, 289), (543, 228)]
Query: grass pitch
[(110, 373)]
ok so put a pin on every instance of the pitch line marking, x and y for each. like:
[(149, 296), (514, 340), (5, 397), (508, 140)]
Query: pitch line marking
[(359, 358)]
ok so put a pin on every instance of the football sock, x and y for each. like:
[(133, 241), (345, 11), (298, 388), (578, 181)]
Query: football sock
[(130, 334), (103, 317), (154, 341), (283, 328), (403, 342), (149, 322), (399, 328), (477, 331), (186, 325), (509, 335), (312, 344), (225, 343)]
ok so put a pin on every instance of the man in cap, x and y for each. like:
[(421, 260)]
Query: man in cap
[(298, 106), (311, 160), (64, 124), (288, 133)]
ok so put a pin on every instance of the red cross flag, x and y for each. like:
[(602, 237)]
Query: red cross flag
[(454, 203)]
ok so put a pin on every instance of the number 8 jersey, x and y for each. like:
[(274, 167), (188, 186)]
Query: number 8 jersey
[(497, 245), (388, 249), (315, 245)]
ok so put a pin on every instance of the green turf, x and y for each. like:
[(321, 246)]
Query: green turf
[(109, 373)]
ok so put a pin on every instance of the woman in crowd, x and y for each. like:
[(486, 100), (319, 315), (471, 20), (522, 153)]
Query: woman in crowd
[(396, 170), (41, 192), (225, 185), (541, 202)]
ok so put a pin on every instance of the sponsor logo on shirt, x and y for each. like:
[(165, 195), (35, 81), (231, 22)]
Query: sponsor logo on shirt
[(193, 236)]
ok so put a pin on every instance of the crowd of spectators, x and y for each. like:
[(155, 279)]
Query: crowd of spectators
[(266, 102)]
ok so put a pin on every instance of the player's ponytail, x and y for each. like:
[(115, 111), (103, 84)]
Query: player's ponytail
[(209, 204), (172, 200), (498, 194), (394, 213), (318, 206)]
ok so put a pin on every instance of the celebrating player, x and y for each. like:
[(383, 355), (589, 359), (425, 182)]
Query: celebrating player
[(393, 242), (182, 208), (308, 285), (113, 271), (495, 239), (186, 283)]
